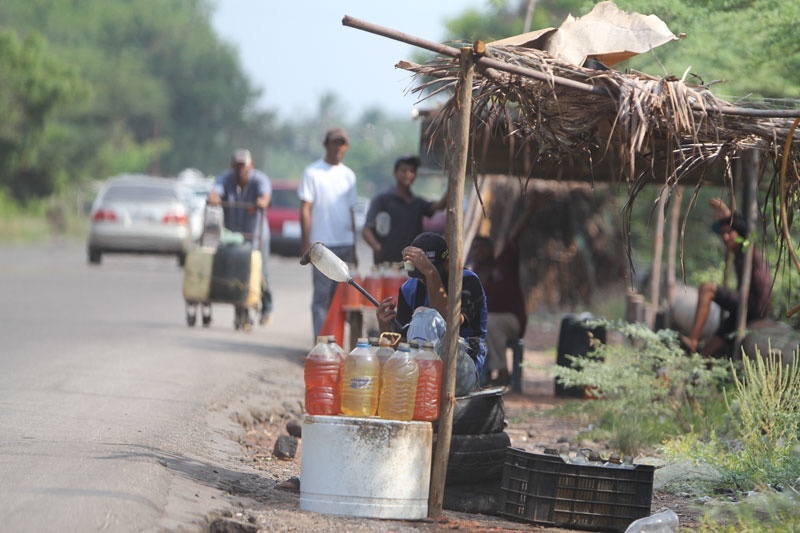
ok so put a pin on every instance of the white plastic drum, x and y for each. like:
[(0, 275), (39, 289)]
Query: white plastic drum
[(683, 307), (365, 467)]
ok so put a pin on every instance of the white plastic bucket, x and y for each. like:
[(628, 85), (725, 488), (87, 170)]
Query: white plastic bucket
[(365, 467)]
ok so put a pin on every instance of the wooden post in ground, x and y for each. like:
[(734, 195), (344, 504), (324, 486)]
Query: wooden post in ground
[(672, 246), (658, 254), (750, 161), (457, 169)]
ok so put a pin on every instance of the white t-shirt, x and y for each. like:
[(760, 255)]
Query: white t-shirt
[(331, 191)]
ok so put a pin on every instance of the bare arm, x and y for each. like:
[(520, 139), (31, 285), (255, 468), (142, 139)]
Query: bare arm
[(372, 241), (305, 223), (353, 226), (440, 204), (720, 209)]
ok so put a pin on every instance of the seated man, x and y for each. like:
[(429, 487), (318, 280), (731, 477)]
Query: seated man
[(426, 288), (508, 317), (733, 231)]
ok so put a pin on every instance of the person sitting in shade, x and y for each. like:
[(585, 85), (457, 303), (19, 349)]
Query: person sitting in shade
[(507, 318), (426, 288), (733, 231)]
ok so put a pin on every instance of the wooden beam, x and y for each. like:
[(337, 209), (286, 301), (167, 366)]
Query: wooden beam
[(456, 174)]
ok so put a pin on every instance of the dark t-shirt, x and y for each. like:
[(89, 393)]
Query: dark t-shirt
[(396, 222), (414, 294), (503, 288), (758, 302)]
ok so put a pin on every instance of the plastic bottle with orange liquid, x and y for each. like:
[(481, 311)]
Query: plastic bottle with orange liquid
[(360, 381), (339, 351), (429, 384), (399, 385), (322, 374)]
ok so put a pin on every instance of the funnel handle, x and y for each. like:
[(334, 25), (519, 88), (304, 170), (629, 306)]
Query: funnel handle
[(372, 299)]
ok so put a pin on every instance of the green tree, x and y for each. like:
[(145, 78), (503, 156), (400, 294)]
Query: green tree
[(165, 92), (749, 45), (36, 86)]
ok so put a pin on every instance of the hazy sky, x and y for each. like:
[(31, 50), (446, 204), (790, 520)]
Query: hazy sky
[(298, 50)]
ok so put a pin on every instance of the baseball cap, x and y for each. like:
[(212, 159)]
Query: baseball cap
[(241, 157), (434, 246), (336, 134), (411, 160), (736, 223)]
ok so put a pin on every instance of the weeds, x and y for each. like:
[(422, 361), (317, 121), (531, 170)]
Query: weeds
[(648, 388)]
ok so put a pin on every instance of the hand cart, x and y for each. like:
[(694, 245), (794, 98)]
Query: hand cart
[(224, 268)]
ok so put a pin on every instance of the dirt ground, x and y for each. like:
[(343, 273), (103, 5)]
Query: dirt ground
[(268, 504)]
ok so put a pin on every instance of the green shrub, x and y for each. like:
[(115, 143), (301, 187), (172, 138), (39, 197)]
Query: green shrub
[(647, 388)]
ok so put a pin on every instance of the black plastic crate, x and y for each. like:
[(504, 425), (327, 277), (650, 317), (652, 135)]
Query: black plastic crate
[(543, 489)]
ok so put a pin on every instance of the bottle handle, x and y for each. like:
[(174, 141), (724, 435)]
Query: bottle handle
[(393, 337)]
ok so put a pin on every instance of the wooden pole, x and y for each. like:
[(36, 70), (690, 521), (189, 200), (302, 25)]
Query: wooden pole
[(456, 172), (658, 256), (750, 210), (672, 247)]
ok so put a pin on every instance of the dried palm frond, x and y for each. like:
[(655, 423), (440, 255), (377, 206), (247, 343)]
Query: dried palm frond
[(653, 127)]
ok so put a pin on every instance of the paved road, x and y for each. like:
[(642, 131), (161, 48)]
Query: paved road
[(105, 393)]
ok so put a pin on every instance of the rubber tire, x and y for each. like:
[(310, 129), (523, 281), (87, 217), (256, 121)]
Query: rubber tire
[(95, 256), (181, 259), (478, 415), (475, 458)]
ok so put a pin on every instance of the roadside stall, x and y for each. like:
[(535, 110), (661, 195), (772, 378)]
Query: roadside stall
[(548, 105)]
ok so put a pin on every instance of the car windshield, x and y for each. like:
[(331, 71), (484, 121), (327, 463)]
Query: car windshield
[(138, 193), (285, 198)]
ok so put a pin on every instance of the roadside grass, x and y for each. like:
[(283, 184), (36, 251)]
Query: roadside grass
[(39, 220)]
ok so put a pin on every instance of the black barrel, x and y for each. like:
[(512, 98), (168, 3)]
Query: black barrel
[(576, 338)]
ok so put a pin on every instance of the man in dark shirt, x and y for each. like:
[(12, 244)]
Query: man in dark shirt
[(395, 215), (734, 235), (499, 275), (426, 288)]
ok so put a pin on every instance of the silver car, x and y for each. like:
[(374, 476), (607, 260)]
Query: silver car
[(141, 215)]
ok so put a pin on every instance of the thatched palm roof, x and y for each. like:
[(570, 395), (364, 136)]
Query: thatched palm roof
[(652, 127), (626, 127)]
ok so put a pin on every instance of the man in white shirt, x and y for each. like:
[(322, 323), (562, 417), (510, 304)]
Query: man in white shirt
[(327, 197)]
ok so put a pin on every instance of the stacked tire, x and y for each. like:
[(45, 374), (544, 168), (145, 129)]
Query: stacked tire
[(478, 442)]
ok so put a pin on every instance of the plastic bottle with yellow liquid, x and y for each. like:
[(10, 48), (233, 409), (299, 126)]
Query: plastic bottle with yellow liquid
[(385, 351), (360, 381), (429, 384), (399, 385)]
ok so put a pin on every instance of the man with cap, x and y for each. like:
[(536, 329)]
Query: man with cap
[(395, 215), (327, 194), (426, 261), (733, 232), (244, 184)]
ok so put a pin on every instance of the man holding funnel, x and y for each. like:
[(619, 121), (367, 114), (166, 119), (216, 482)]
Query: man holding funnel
[(422, 302)]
